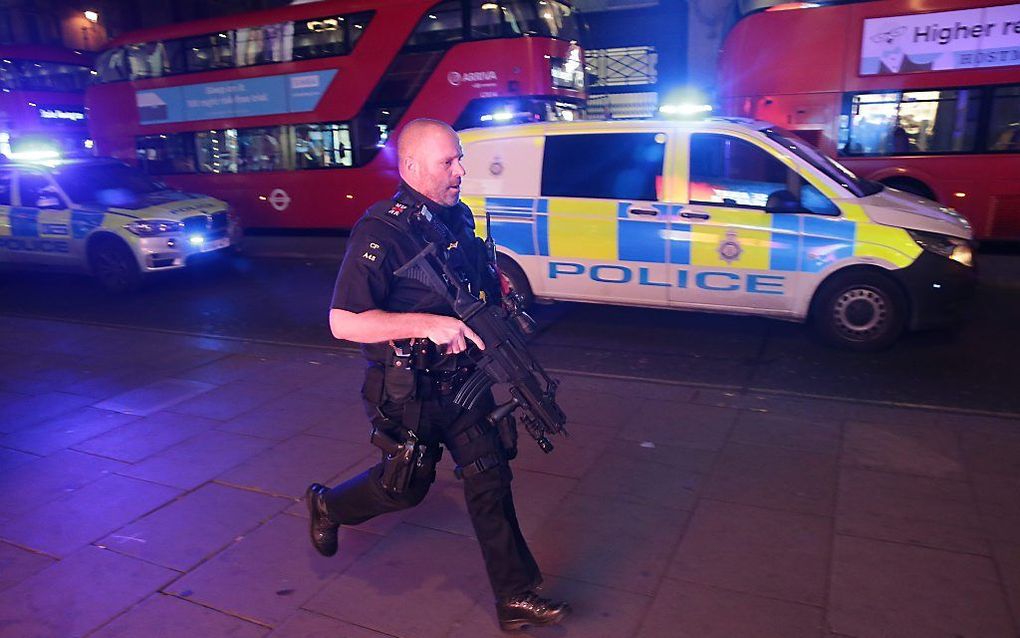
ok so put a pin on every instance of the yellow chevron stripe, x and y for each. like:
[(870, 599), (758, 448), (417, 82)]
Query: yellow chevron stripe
[(894, 245)]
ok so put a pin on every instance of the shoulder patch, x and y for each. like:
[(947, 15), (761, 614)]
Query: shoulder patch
[(371, 252), (397, 209)]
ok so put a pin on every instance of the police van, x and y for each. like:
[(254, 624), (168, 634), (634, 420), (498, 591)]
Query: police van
[(721, 215), (106, 217)]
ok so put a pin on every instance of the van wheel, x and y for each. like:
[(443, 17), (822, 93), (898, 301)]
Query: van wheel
[(114, 265), (862, 311), (518, 280)]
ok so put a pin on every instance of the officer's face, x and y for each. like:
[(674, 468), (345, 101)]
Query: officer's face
[(437, 168)]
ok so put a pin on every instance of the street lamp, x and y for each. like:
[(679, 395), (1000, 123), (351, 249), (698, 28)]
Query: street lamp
[(92, 16)]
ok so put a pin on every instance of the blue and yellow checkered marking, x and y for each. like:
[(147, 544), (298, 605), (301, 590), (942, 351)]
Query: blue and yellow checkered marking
[(83, 221), (604, 230), (24, 221), (512, 220), (784, 255), (825, 240), (639, 239)]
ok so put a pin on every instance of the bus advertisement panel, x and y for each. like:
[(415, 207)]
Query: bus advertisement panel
[(921, 95), (291, 114), (42, 102)]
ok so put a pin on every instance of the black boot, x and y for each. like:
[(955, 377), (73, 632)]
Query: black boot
[(323, 529), (517, 612)]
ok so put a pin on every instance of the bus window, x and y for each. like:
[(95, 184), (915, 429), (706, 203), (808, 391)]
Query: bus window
[(441, 24), (486, 20), (262, 44), (356, 25), (559, 20), (8, 75), (147, 60), (628, 165), (111, 65), (933, 121), (217, 151), (167, 154), (213, 51), (320, 37), (322, 146), (51, 76), (259, 149), (727, 170), (1004, 127)]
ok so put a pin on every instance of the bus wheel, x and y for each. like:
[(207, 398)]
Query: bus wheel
[(912, 186), (862, 311), (518, 280), (114, 265)]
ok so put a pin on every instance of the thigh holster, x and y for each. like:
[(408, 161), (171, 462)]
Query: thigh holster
[(493, 457)]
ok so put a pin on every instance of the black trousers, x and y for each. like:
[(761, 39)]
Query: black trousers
[(508, 561)]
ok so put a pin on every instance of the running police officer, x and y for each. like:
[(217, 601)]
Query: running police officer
[(415, 348)]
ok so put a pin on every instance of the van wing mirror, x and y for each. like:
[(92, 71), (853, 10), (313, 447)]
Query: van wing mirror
[(783, 201)]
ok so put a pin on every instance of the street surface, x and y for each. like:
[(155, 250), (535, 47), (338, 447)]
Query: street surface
[(724, 477), (284, 300)]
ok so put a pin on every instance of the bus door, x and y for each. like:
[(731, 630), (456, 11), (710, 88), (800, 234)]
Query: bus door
[(41, 220), (727, 250), (607, 224)]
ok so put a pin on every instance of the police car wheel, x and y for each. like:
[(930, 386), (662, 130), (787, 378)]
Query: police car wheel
[(860, 311), (114, 265), (518, 280)]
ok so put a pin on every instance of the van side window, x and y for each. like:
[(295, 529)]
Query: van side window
[(730, 171), (30, 186), (625, 166), (6, 179)]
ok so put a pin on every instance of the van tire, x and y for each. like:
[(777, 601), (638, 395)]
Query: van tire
[(114, 265), (864, 311), (518, 280)]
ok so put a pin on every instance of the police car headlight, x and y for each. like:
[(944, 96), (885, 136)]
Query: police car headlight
[(950, 247), (154, 227)]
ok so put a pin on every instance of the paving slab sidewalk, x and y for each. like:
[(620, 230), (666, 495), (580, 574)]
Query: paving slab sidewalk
[(171, 504)]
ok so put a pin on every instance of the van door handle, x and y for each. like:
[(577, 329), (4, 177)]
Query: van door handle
[(644, 211), (687, 215)]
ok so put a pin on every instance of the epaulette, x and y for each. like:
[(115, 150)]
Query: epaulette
[(392, 213)]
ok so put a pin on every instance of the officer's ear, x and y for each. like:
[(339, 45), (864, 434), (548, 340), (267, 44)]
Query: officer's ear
[(408, 164)]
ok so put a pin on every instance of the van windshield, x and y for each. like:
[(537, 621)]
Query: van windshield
[(842, 175)]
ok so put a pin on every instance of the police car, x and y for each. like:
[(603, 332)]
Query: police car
[(107, 217), (722, 215)]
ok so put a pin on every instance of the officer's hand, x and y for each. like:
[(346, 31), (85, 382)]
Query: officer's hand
[(451, 334)]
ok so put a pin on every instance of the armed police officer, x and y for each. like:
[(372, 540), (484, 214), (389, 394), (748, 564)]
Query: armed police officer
[(417, 349)]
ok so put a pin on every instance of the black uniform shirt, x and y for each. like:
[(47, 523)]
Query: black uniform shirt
[(378, 246)]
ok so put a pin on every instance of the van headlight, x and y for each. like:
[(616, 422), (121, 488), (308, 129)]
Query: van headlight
[(950, 247), (154, 227)]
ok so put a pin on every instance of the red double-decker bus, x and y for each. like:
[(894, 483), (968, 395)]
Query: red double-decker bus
[(291, 114), (42, 102), (921, 95)]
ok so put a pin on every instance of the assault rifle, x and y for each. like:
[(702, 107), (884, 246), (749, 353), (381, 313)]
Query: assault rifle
[(502, 327)]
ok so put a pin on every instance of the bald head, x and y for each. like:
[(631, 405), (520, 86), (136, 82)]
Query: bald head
[(429, 157)]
